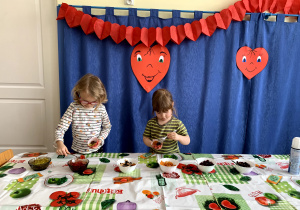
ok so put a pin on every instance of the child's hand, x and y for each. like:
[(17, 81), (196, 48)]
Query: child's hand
[(62, 149), (173, 135)]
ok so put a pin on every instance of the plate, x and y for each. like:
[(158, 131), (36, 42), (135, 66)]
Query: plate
[(69, 181), (179, 158)]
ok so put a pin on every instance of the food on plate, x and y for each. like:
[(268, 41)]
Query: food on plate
[(58, 181), (243, 164), (206, 163), (127, 163), (166, 163), (171, 156), (88, 171), (20, 193)]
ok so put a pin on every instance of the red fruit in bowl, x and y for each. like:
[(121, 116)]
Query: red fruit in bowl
[(88, 171)]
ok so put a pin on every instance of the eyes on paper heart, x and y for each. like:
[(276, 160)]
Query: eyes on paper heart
[(251, 62), (150, 64)]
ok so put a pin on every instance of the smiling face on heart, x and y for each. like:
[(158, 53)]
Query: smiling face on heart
[(251, 62), (150, 64)]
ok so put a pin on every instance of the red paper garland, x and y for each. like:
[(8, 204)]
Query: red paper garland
[(178, 33)]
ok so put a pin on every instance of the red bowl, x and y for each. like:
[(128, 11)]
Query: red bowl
[(78, 165)]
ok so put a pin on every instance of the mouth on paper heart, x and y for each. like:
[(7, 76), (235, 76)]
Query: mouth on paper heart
[(149, 78), (252, 70), (150, 64)]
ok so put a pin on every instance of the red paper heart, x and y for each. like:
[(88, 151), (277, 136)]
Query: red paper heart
[(251, 62), (150, 64)]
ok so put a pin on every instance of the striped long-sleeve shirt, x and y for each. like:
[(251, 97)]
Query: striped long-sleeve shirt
[(86, 123), (155, 131)]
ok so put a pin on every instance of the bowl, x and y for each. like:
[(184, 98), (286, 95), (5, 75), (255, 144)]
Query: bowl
[(243, 169), (157, 143), (127, 165), (39, 163), (78, 165), (168, 169), (93, 143), (204, 168)]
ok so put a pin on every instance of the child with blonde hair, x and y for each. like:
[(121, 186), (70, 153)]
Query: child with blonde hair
[(88, 117), (164, 125)]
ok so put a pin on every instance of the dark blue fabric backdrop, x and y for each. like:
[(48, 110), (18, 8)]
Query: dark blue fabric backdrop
[(223, 111)]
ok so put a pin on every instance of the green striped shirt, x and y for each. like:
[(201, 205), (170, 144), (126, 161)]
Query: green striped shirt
[(155, 131)]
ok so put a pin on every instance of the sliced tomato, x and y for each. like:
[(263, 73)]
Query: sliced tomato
[(198, 172), (265, 201), (73, 195), (187, 171), (117, 169), (227, 204), (57, 194), (57, 203), (214, 206), (88, 171), (180, 165), (74, 202)]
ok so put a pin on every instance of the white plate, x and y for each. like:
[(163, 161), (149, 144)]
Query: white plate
[(69, 181), (179, 158)]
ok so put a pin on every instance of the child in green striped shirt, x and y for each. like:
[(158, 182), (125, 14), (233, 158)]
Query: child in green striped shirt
[(164, 125)]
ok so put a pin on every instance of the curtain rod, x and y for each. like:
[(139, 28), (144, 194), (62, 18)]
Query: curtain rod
[(168, 10)]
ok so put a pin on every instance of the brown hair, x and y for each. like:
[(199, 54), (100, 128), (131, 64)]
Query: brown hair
[(92, 85), (162, 101)]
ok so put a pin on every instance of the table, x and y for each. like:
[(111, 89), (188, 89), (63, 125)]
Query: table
[(192, 191)]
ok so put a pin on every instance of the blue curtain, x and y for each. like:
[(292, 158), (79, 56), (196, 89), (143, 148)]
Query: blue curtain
[(223, 111)]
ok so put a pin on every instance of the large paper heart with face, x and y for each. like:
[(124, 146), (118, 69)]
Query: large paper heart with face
[(150, 64), (251, 62)]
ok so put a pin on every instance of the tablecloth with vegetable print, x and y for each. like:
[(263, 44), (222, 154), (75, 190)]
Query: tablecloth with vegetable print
[(222, 188)]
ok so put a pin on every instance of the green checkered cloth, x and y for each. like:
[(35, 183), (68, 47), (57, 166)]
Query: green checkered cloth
[(136, 173), (282, 205), (195, 155), (282, 157), (280, 187), (106, 155), (96, 177), (147, 160), (202, 198), (223, 175), (236, 197), (193, 179)]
